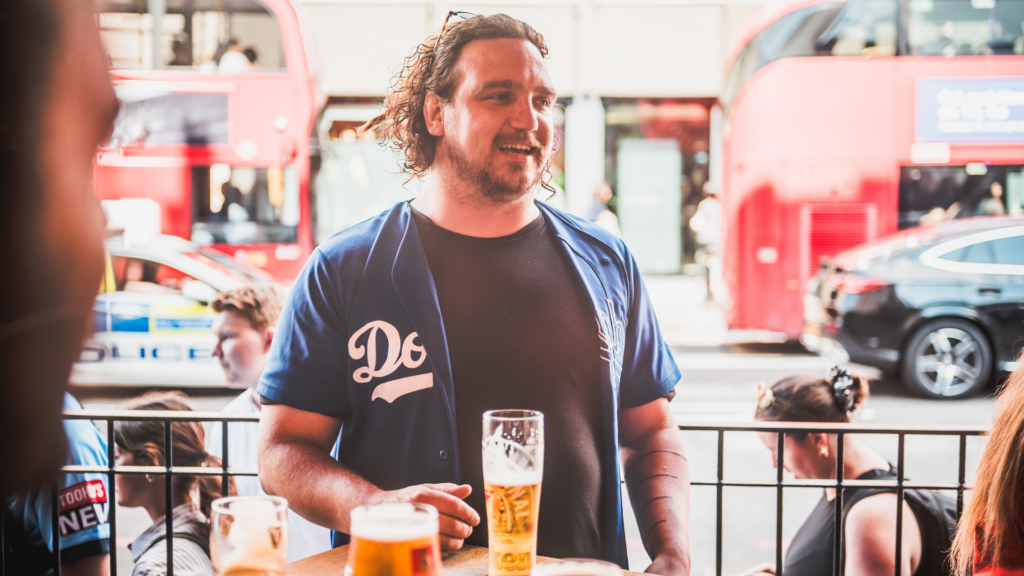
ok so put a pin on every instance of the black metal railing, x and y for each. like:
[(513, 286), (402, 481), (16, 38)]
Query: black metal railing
[(840, 430), (167, 470)]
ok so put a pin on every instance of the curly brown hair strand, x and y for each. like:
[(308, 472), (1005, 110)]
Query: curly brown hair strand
[(402, 126)]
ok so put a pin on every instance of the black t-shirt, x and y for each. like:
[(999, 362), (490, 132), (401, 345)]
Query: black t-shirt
[(522, 334)]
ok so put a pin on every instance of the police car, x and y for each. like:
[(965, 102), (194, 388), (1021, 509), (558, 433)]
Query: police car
[(152, 321)]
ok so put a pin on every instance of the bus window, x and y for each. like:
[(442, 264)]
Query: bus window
[(933, 194), (965, 27), (150, 116), (243, 205), (853, 28), (211, 35), (862, 28)]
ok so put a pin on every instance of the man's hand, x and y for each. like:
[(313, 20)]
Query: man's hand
[(456, 518), (325, 491)]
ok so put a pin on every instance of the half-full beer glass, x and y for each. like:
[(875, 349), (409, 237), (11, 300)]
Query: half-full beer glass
[(394, 540), (249, 536), (513, 450)]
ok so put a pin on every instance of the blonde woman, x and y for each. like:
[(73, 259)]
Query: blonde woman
[(990, 536)]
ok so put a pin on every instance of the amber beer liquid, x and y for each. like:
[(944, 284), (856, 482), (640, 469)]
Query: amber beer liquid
[(249, 536), (513, 460), (394, 540), (512, 512)]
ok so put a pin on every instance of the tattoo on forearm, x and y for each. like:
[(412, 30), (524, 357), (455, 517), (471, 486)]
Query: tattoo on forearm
[(644, 539), (649, 503), (646, 479), (653, 452)]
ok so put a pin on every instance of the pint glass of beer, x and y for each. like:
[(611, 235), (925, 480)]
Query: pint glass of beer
[(249, 536), (513, 450), (394, 539)]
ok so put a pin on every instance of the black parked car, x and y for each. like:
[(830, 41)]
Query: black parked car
[(942, 305)]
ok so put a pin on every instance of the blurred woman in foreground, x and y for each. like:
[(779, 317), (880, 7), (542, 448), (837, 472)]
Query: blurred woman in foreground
[(869, 514), (142, 444), (990, 536)]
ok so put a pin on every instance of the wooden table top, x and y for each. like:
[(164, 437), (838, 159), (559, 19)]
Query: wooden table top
[(470, 561)]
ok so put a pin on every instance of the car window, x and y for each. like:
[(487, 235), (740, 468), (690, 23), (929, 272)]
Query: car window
[(981, 253), (1009, 250), (147, 276)]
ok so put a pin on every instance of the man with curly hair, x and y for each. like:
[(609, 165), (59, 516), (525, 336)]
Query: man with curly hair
[(401, 331)]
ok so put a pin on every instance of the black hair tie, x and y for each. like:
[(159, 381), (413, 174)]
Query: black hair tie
[(842, 388)]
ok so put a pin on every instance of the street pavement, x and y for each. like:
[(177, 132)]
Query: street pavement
[(721, 369)]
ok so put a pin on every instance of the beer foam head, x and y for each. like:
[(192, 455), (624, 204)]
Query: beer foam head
[(394, 522), (506, 477)]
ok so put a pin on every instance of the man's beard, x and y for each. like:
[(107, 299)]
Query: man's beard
[(478, 175)]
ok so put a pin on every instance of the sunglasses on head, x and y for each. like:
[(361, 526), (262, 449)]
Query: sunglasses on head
[(460, 14)]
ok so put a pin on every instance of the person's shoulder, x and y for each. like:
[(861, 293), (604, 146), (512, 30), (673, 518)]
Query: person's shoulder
[(85, 442), (243, 403)]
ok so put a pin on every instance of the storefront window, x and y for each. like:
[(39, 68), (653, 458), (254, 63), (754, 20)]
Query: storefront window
[(656, 161), (243, 205), (933, 194), (966, 27), (238, 36)]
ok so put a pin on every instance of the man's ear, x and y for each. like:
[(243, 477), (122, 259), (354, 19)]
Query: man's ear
[(268, 338), (433, 114)]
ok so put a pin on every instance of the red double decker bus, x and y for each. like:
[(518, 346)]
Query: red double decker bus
[(845, 121), (217, 109)]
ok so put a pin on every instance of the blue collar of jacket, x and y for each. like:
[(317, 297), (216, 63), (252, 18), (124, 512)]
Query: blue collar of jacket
[(600, 261)]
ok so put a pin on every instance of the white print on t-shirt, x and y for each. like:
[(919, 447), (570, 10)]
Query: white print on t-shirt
[(612, 333), (400, 353)]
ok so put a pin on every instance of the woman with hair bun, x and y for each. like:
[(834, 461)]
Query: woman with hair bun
[(869, 514), (139, 443)]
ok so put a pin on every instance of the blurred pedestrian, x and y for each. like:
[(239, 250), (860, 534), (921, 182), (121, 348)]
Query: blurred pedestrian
[(993, 204), (57, 105), (244, 329), (599, 212), (707, 223), (990, 535), (869, 514), (233, 60), (83, 509), (139, 443)]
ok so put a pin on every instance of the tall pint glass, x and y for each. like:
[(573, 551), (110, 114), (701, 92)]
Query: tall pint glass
[(394, 540), (249, 536), (513, 455)]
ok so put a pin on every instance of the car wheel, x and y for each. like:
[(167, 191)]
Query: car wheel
[(947, 358)]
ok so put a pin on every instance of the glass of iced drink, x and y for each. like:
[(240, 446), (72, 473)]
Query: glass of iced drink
[(249, 536), (513, 456), (394, 540)]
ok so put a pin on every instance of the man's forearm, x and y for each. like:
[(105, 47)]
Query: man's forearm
[(658, 482), (316, 486)]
